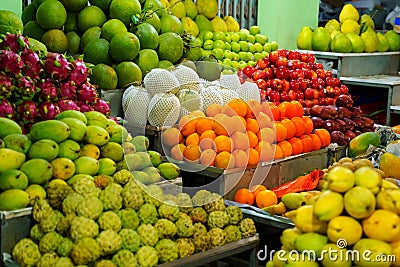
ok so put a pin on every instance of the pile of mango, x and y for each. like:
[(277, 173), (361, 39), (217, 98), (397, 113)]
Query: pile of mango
[(71, 146)]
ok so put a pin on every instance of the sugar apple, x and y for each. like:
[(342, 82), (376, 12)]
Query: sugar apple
[(83, 227), (170, 197), (133, 184), (147, 256), (124, 258), (65, 247), (185, 247), (184, 202), (247, 227), (56, 192), (50, 221), (111, 197), (232, 233), (65, 223), (217, 218), (122, 177), (26, 252), (64, 262), (198, 214), (148, 234), (86, 187), (165, 228), (86, 251), (200, 198), (199, 227), (184, 225), (217, 237), (167, 250), (130, 239), (169, 210), (48, 259), (109, 241), (109, 220), (129, 218), (214, 202), (40, 209), (50, 242), (132, 198), (70, 203), (148, 214), (104, 263), (102, 181), (235, 214), (201, 241), (153, 194), (90, 207), (36, 233)]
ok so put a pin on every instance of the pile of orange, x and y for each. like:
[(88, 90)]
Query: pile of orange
[(258, 194)]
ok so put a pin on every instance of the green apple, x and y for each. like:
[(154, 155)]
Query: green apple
[(235, 56), (228, 38), (274, 46), (250, 56), (251, 39), (243, 36), (228, 71), (218, 53), (267, 47), (228, 46), (208, 44), (244, 31), (235, 37), (228, 54), (227, 62), (243, 56), (244, 46), (206, 53), (208, 35), (369, 178), (264, 54), (359, 202), (258, 56), (258, 47), (235, 64), (242, 64), (252, 49), (251, 63), (218, 36), (235, 46), (219, 44), (261, 38), (254, 30)]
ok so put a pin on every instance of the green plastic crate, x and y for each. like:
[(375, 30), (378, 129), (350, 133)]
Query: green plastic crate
[(12, 5)]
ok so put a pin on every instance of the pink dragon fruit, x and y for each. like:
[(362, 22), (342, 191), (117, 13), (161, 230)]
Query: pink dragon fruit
[(66, 104), (67, 90), (56, 65), (6, 109), (27, 112), (14, 42), (48, 90), (6, 86), (102, 107), (10, 62), (48, 110), (84, 107), (79, 72), (26, 88), (32, 67), (87, 92)]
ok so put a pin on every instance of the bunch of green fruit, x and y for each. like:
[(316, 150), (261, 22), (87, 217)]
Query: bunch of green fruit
[(71, 146), (356, 213), (352, 33), (125, 223)]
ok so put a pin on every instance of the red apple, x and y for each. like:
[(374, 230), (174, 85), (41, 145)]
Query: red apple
[(285, 85), (249, 70), (263, 94), (261, 84), (309, 93), (304, 57), (344, 90), (338, 138), (322, 101), (330, 101), (344, 101), (259, 75), (274, 96), (292, 94), (349, 135), (328, 73), (331, 125), (319, 66), (262, 63), (276, 84), (282, 62), (282, 72), (273, 56), (315, 101), (294, 85), (316, 110), (283, 53), (295, 64), (321, 92), (320, 73), (317, 122), (309, 103), (350, 124), (336, 91), (303, 103), (293, 54), (285, 96), (304, 84), (311, 58)]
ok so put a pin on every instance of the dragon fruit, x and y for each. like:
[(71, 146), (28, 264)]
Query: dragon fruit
[(56, 65), (27, 112), (6, 86), (67, 90), (102, 107), (6, 109), (14, 42), (32, 67), (48, 90), (26, 88), (79, 72), (66, 104), (84, 107), (10, 62), (48, 110), (87, 92)]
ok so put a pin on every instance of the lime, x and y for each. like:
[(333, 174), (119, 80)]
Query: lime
[(104, 77), (156, 6), (170, 47), (55, 41), (74, 5), (103, 4), (128, 74), (89, 35), (147, 35), (37, 3), (36, 45), (96, 52), (219, 44), (71, 23), (170, 23), (91, 16), (147, 60), (28, 14), (124, 46), (111, 28), (154, 20), (73, 43), (219, 36), (124, 10), (51, 14), (32, 29), (165, 64), (255, 30)]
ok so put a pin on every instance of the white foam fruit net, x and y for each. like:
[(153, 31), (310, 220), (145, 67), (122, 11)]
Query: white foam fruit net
[(230, 81), (249, 90), (227, 95), (190, 100), (187, 77), (137, 103), (125, 97), (160, 81), (210, 95), (164, 110)]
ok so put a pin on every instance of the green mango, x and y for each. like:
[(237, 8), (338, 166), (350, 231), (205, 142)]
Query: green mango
[(169, 170), (54, 130), (118, 133), (96, 135), (142, 177), (155, 157), (106, 166), (39, 171), (8, 126), (18, 142), (13, 199), (141, 143), (10, 159), (13, 179), (113, 151), (43, 149), (72, 114), (153, 173), (78, 128), (69, 149), (96, 118)]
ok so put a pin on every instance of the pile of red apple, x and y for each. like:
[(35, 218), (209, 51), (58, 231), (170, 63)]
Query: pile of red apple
[(286, 75)]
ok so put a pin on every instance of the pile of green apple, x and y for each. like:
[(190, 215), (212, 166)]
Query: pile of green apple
[(237, 49), (356, 214)]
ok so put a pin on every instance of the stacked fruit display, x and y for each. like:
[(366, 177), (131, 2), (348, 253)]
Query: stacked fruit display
[(356, 214), (127, 224), (37, 87), (352, 33), (71, 146)]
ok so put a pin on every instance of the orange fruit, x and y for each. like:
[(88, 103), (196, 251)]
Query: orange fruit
[(299, 124), (286, 147), (192, 153), (263, 120), (171, 136), (282, 108), (224, 160), (396, 129), (241, 158), (237, 124), (294, 109), (238, 106), (264, 150), (307, 143), (308, 125), (207, 157), (324, 136), (206, 140), (204, 124), (278, 153), (253, 139), (228, 111), (280, 132), (240, 141), (252, 125), (290, 128), (266, 134), (253, 107), (255, 189), (316, 142), (244, 196), (213, 110), (271, 108), (177, 151), (208, 134), (254, 157), (223, 143), (297, 145), (187, 124), (197, 113), (192, 139), (266, 198), (220, 124)]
